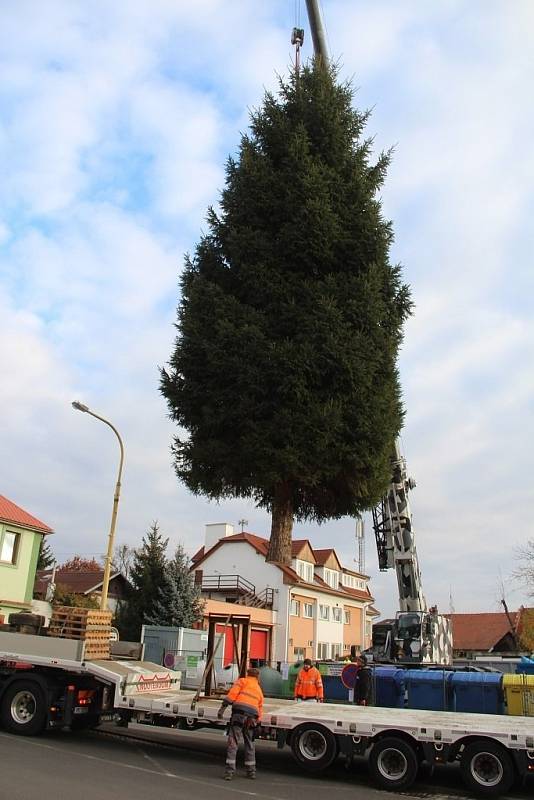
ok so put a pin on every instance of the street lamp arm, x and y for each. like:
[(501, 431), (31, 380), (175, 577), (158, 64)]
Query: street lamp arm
[(109, 555)]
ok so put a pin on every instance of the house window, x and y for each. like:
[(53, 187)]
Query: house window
[(9, 547), (299, 653), (347, 617), (337, 650), (331, 577), (324, 612), (323, 650), (308, 610), (295, 608), (305, 571), (336, 614)]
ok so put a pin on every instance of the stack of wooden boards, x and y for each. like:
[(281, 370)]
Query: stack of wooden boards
[(87, 624)]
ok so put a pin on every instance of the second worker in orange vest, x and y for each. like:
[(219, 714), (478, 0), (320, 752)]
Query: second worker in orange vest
[(309, 685)]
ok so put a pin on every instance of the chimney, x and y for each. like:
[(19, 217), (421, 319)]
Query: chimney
[(216, 531)]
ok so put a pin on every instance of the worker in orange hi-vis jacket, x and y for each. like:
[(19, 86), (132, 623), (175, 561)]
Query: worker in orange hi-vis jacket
[(246, 699), (309, 685)]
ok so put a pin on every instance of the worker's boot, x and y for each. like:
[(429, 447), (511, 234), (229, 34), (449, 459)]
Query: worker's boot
[(251, 773), (228, 774)]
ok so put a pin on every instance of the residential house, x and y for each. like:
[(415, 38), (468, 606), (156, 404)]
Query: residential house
[(21, 535), (490, 633), (320, 609), (87, 583)]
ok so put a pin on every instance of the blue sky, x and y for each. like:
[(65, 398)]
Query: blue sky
[(115, 122)]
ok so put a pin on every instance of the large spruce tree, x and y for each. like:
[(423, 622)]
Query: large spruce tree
[(284, 375)]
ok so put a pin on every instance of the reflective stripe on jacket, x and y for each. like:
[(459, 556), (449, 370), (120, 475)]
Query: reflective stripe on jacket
[(309, 683), (246, 697)]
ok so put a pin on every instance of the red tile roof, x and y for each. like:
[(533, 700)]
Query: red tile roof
[(9, 512), (261, 546), (481, 631), (322, 556), (77, 581), (297, 545)]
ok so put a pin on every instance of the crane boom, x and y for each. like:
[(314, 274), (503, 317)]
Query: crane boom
[(317, 28), (395, 536)]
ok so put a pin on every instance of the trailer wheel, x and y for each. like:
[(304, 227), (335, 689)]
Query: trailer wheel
[(486, 768), (23, 710), (393, 763), (314, 747)]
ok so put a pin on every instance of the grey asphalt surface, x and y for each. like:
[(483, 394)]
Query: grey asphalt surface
[(141, 763)]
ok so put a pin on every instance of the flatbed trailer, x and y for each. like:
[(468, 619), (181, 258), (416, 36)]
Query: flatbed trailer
[(46, 683)]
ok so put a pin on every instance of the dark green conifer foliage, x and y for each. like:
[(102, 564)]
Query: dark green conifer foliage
[(284, 370), (178, 603), (146, 576), (46, 557)]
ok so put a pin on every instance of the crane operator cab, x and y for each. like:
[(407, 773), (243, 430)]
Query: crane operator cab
[(410, 643)]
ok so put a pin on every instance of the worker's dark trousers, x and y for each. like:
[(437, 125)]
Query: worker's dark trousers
[(237, 730)]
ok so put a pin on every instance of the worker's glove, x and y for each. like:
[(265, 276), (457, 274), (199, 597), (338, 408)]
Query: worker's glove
[(319, 699), (298, 699), (220, 712)]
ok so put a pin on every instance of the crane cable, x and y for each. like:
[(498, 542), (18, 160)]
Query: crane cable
[(297, 36)]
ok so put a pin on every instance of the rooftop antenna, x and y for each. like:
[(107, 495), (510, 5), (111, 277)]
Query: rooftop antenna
[(360, 541), (242, 522)]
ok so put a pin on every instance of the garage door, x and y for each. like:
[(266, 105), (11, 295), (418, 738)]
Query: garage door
[(259, 641)]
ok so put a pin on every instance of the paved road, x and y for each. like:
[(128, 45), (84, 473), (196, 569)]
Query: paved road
[(144, 764)]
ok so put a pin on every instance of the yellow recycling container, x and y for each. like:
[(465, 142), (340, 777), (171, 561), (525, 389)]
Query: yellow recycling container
[(519, 693)]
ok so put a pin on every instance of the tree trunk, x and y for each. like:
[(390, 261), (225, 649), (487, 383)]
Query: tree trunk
[(281, 525)]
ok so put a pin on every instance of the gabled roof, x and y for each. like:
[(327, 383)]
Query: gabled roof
[(299, 545), (322, 556), (80, 582), (15, 515), (258, 543), (482, 631)]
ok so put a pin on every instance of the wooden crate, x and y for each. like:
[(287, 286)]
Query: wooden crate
[(91, 626)]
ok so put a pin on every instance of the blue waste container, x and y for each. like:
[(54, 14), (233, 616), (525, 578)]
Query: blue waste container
[(429, 689), (389, 687), (478, 692), (334, 691), (525, 666)]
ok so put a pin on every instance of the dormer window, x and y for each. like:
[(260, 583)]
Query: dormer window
[(331, 577), (304, 570)]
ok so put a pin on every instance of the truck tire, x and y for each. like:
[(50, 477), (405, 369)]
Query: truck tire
[(23, 710), (314, 747), (487, 768), (393, 763)]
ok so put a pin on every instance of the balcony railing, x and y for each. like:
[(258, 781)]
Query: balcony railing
[(227, 583)]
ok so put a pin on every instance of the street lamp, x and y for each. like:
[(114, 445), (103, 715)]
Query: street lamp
[(107, 568)]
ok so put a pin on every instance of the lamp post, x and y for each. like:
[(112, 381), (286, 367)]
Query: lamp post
[(107, 568)]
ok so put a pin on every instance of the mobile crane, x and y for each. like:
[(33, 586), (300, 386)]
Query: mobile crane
[(417, 635)]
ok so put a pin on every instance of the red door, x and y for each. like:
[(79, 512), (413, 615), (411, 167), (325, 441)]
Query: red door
[(258, 645), (228, 655)]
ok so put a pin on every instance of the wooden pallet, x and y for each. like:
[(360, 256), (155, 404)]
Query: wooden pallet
[(87, 624)]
